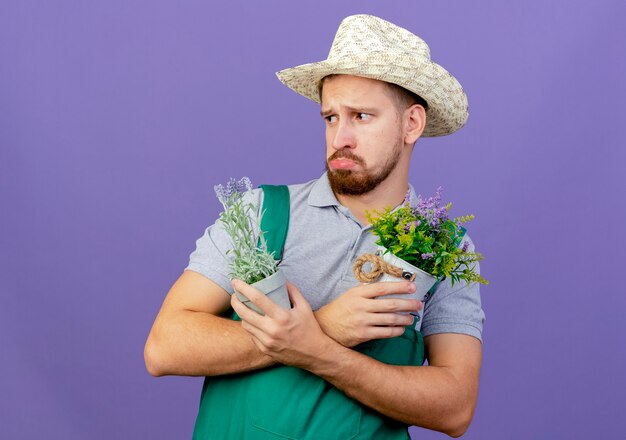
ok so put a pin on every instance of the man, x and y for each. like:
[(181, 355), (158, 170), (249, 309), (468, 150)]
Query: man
[(379, 92)]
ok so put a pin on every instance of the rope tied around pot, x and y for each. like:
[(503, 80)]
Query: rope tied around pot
[(379, 266)]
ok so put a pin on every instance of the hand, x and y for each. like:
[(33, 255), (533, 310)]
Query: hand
[(291, 337), (357, 316)]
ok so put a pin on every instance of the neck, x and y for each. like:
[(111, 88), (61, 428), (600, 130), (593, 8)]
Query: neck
[(390, 192)]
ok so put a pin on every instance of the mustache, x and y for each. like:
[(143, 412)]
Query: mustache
[(346, 154)]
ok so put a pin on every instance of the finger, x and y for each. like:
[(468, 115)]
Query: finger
[(387, 287), (297, 299), (245, 313), (394, 305), (383, 332), (259, 345), (392, 319), (263, 340), (255, 333), (256, 297)]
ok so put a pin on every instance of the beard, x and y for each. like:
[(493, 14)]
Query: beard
[(351, 183)]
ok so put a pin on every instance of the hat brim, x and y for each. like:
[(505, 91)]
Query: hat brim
[(447, 101)]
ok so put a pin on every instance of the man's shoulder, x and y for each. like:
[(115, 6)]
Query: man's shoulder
[(299, 192), (307, 198)]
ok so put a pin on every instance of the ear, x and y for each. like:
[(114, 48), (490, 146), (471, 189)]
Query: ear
[(414, 123)]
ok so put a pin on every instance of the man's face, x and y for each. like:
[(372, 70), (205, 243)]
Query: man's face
[(364, 138)]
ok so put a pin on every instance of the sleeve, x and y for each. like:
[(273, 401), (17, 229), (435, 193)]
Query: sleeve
[(211, 257), (455, 309)]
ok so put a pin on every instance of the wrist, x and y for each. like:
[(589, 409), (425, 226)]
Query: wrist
[(327, 358), (326, 325)]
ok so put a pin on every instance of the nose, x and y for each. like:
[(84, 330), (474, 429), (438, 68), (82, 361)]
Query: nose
[(342, 136)]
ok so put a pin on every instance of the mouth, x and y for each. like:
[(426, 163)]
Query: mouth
[(342, 164), (344, 160)]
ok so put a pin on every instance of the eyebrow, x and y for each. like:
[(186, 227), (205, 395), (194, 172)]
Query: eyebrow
[(325, 113)]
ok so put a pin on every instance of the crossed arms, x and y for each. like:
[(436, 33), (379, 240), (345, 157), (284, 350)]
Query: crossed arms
[(189, 337)]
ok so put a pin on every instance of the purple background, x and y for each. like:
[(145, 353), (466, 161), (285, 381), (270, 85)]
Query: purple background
[(118, 117)]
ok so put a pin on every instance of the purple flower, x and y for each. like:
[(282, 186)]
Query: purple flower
[(407, 197), (438, 196), (465, 246), (441, 214), (429, 208), (239, 186), (224, 194), (416, 223), (428, 256)]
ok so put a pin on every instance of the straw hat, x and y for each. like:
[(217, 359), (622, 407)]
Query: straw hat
[(371, 47)]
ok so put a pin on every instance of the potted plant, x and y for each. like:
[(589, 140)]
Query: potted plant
[(251, 262), (419, 243)]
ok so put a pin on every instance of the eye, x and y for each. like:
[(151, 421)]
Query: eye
[(363, 116), (331, 118)]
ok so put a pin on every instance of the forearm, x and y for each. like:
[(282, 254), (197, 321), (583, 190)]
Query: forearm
[(441, 396), (428, 396), (188, 343)]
